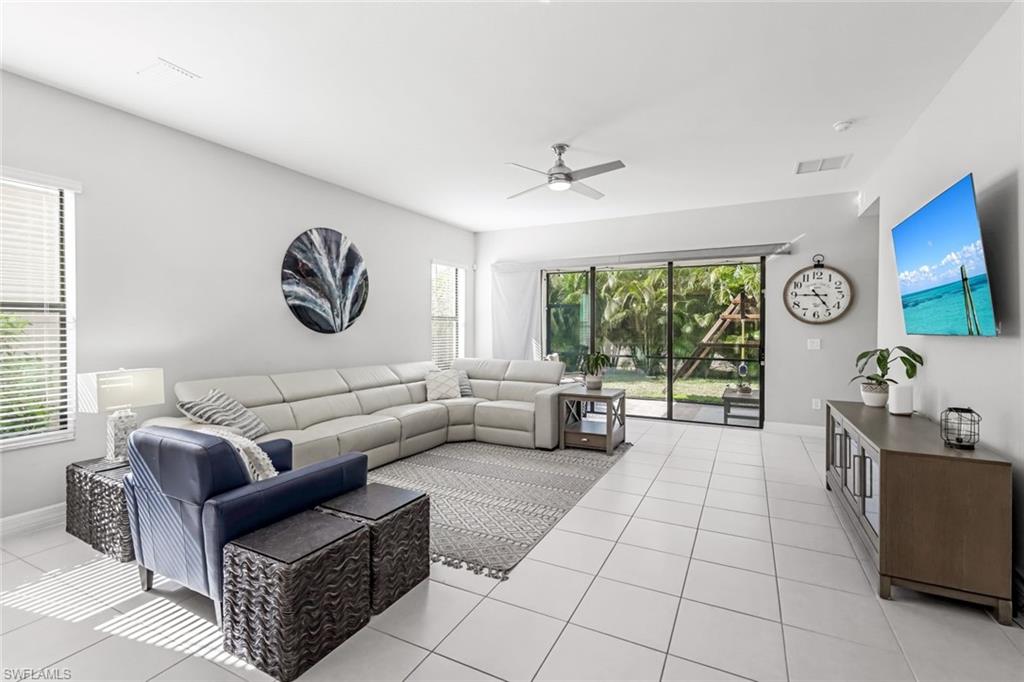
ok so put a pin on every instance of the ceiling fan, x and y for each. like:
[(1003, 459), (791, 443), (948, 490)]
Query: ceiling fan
[(561, 177)]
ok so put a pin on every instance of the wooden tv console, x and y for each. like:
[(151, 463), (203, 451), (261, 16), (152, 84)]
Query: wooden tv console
[(932, 518)]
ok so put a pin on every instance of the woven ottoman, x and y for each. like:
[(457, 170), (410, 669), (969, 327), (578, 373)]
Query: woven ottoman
[(294, 591), (399, 523), (97, 511)]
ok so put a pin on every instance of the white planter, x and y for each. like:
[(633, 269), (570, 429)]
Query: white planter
[(593, 382), (874, 395)]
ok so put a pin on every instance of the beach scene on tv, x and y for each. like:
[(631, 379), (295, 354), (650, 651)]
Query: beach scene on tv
[(943, 280)]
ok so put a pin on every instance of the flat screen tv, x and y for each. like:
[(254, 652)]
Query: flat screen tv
[(941, 264)]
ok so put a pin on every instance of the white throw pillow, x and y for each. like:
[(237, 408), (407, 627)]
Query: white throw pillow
[(442, 385)]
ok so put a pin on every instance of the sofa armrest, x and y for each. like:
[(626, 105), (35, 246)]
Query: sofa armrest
[(280, 452), (232, 514), (545, 415)]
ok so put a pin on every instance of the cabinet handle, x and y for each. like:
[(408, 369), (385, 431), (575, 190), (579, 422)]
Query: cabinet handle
[(870, 478), (855, 491), (584, 440)]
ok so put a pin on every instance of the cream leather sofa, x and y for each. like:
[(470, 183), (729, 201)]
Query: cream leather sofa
[(383, 410)]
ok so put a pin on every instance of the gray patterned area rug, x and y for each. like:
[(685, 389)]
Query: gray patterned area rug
[(490, 504)]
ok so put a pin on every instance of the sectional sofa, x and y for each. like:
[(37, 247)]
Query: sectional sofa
[(383, 411)]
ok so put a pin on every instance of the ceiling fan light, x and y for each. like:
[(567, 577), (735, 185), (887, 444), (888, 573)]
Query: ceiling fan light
[(559, 184)]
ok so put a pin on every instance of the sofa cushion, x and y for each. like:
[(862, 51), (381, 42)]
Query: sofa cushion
[(521, 390), (315, 410), (418, 418), (302, 385), (307, 446), (375, 399), (248, 390), (485, 388), (460, 410), (361, 432), (277, 417), (443, 385), (505, 414), (408, 372), (482, 369), (371, 376), (536, 371)]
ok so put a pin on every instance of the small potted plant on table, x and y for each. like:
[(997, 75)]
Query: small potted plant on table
[(592, 365), (874, 389)]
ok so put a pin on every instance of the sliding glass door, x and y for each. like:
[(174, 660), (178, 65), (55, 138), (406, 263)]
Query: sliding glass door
[(716, 344), (685, 340), (632, 329)]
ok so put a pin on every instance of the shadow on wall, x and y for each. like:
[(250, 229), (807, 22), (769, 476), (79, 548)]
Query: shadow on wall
[(999, 214)]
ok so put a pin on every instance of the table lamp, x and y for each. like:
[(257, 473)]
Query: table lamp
[(117, 392)]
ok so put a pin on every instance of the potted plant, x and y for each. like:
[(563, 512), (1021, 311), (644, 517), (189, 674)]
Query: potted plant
[(592, 365), (874, 389)]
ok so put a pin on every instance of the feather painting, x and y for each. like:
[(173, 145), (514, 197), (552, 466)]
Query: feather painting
[(324, 280)]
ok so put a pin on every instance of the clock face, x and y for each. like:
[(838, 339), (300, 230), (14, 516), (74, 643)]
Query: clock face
[(818, 295)]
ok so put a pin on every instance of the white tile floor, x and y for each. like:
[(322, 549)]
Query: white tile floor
[(706, 554)]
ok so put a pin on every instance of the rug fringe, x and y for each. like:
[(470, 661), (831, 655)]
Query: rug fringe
[(479, 569)]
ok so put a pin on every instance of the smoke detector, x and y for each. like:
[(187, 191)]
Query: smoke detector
[(818, 165), (163, 69)]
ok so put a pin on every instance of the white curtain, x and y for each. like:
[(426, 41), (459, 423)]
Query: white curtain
[(515, 312)]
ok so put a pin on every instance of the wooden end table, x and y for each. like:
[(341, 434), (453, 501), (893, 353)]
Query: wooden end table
[(733, 398), (577, 431)]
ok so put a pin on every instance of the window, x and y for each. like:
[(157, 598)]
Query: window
[(447, 314), (36, 314)]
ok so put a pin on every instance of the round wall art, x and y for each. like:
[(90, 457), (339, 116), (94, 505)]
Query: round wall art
[(324, 280)]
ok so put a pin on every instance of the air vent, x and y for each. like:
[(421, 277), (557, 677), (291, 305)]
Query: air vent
[(818, 165), (163, 69)]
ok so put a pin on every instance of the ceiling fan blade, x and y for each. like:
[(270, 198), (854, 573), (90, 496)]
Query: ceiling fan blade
[(525, 191), (596, 170), (586, 190), (511, 163)]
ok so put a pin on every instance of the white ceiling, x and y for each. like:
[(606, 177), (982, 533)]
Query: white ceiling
[(420, 104)]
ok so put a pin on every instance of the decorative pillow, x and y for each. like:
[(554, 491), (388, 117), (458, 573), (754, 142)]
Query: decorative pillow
[(442, 385), (220, 409), (465, 388), (254, 460)]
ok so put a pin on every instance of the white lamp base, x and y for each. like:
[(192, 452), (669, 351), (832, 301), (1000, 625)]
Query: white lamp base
[(119, 425)]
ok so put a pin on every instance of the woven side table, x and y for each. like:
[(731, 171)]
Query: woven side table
[(97, 511), (294, 591), (399, 523)]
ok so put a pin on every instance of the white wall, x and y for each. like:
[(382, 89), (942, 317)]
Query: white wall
[(825, 224), (180, 244), (973, 125)]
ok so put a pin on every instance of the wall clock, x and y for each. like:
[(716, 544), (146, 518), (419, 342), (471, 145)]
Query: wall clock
[(818, 294)]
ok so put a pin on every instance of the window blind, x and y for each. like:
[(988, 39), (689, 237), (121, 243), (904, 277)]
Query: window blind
[(447, 314), (36, 323)]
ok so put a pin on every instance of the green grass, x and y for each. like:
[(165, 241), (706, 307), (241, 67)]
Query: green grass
[(693, 390)]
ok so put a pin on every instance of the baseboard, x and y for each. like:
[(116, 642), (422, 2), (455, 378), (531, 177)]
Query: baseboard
[(34, 519), (805, 430)]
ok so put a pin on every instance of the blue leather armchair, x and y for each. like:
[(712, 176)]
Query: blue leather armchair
[(188, 496)]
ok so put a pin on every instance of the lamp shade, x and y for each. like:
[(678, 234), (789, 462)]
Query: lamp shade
[(120, 389)]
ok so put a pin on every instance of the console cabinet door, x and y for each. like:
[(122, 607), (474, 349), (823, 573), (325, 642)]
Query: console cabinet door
[(853, 462), (872, 489)]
